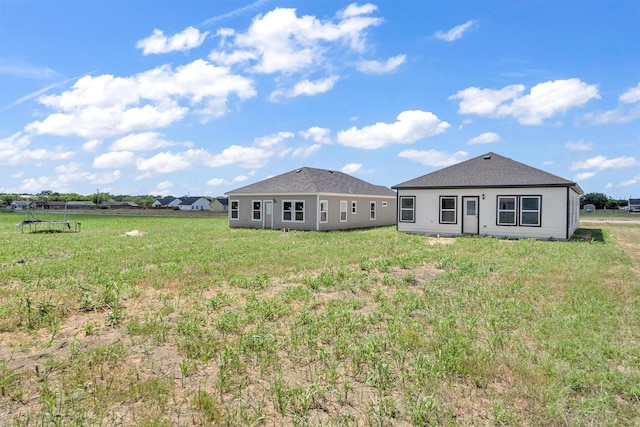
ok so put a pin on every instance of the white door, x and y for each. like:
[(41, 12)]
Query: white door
[(268, 214), (470, 215)]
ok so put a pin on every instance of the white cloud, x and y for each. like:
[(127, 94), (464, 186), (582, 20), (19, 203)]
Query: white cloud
[(629, 182), (411, 126), (434, 157), (165, 162), (601, 162), (240, 178), (188, 39), (377, 67), (484, 138), (455, 33), (162, 188), (105, 105), (317, 134), (578, 146), (145, 141), (273, 140), (305, 87), (14, 151), (114, 159), (631, 96), (543, 101), (281, 42), (584, 175), (305, 152), (67, 179), (91, 145), (215, 182), (247, 157), (351, 168)]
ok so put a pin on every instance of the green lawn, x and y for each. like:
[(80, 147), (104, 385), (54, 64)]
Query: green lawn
[(197, 324)]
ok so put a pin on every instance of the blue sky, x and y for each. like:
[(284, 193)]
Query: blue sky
[(202, 97)]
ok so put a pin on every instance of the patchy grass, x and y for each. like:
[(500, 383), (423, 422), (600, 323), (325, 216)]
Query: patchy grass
[(197, 324)]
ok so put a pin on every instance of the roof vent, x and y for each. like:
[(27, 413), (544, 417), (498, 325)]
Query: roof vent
[(298, 170), (487, 156)]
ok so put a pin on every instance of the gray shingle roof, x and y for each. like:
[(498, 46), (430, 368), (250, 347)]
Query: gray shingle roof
[(314, 181), (488, 170)]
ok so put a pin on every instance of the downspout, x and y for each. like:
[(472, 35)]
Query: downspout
[(397, 210), (568, 214), (318, 212)]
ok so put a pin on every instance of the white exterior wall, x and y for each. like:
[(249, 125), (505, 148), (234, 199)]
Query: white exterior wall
[(553, 212), (201, 204)]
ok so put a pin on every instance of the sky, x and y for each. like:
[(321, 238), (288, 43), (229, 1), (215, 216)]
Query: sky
[(198, 98)]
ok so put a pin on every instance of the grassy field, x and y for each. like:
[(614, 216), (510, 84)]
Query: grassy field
[(192, 323)]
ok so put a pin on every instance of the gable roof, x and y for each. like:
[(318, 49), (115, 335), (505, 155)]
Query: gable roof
[(166, 200), (634, 201), (488, 170), (188, 201), (314, 181)]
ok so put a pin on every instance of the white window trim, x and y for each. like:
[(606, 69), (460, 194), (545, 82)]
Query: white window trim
[(354, 207), (293, 211), (372, 211), (231, 210), (343, 210), (325, 211), (254, 210)]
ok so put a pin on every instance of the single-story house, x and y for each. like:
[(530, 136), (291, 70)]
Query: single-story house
[(312, 199), (490, 195), (121, 205), (166, 202), (220, 204), (590, 207), (194, 204), (634, 205)]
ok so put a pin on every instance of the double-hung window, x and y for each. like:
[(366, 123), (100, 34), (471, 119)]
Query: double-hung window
[(372, 211), (506, 210), (293, 210), (256, 210), (407, 208), (530, 211), (234, 210), (324, 214), (448, 210), (343, 210)]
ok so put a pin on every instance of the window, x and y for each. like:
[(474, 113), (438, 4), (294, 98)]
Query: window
[(530, 211), (343, 210), (354, 207), (234, 211), (293, 210), (506, 210), (372, 210), (324, 214), (256, 210), (384, 204), (407, 208), (448, 210)]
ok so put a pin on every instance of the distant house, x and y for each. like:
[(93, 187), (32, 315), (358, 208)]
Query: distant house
[(166, 202), (194, 204), (220, 204), (311, 199), (589, 207), (121, 205), (634, 205), (490, 195)]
